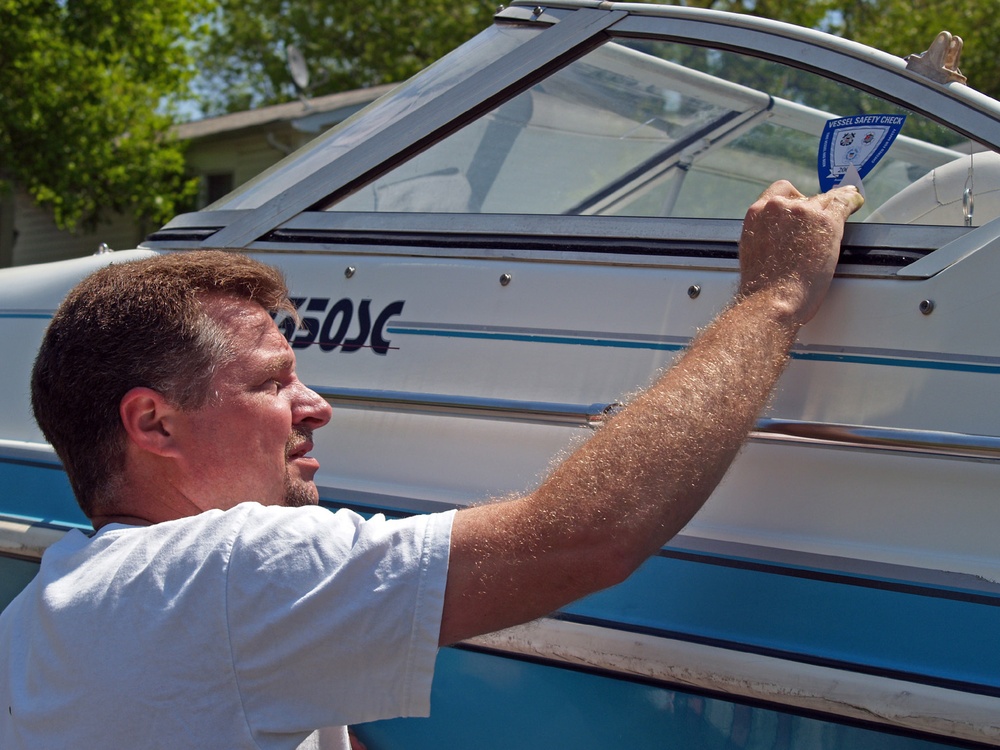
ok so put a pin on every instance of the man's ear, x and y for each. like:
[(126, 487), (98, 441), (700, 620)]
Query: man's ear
[(149, 420)]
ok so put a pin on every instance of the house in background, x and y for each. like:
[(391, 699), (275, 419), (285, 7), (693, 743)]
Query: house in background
[(223, 151)]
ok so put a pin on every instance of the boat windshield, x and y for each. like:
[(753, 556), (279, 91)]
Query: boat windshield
[(647, 128)]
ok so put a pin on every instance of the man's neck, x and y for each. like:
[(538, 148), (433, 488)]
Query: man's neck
[(122, 518)]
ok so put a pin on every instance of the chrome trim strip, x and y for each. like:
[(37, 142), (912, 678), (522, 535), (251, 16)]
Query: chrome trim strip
[(27, 540), (827, 434), (540, 412), (22, 450), (894, 439), (855, 437)]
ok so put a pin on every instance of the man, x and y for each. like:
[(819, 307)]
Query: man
[(216, 606)]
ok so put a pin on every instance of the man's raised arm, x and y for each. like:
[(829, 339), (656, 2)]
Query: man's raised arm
[(644, 474)]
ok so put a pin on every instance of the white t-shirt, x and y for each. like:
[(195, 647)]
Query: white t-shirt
[(246, 628)]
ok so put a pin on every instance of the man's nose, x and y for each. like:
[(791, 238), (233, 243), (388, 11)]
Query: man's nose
[(311, 409)]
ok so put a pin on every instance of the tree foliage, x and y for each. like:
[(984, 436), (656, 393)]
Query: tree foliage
[(903, 27), (900, 27), (351, 44), (347, 43), (85, 87)]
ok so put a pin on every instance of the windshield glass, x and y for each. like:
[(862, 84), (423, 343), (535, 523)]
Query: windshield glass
[(427, 85), (645, 128)]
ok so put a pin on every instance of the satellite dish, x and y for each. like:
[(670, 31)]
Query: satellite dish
[(297, 67)]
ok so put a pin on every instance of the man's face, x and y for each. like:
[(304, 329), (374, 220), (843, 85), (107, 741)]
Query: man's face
[(251, 441)]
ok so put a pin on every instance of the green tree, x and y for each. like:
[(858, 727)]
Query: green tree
[(809, 13), (903, 27), (347, 43), (85, 104), (900, 27), (350, 43)]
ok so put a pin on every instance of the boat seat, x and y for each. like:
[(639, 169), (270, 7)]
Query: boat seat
[(936, 198)]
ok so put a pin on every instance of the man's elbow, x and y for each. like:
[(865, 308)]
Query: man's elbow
[(607, 565)]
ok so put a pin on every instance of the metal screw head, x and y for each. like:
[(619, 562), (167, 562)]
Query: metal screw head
[(926, 306), (349, 271), (538, 10), (505, 279), (693, 291)]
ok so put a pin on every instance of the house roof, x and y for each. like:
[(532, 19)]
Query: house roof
[(308, 116)]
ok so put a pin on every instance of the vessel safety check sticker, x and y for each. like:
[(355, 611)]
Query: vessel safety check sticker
[(858, 141)]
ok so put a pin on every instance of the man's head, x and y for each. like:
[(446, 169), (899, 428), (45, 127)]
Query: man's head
[(167, 327)]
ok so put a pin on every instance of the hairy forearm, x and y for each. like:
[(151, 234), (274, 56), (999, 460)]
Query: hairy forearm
[(637, 481), (650, 469), (642, 477)]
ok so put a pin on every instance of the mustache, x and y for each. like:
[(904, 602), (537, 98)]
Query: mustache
[(299, 437)]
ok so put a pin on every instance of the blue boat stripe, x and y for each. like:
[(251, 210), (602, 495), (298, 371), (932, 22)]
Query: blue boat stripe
[(827, 576), (816, 661), (25, 314), (808, 353), (539, 338), (936, 740), (893, 362), (55, 463)]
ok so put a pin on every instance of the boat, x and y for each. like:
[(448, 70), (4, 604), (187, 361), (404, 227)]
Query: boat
[(492, 256)]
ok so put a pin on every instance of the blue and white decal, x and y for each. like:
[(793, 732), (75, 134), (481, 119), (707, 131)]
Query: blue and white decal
[(859, 141)]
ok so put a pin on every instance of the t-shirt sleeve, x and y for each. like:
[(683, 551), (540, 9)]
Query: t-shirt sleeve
[(334, 619)]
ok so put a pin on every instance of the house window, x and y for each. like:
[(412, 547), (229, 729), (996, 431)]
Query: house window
[(218, 186)]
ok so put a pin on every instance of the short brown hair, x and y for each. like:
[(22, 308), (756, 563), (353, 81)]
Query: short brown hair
[(139, 323)]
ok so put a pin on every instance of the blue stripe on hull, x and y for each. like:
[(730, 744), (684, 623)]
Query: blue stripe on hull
[(949, 362), (38, 492), (808, 616), (540, 338), (481, 700)]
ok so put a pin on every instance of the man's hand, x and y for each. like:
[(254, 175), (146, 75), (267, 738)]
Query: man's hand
[(790, 245)]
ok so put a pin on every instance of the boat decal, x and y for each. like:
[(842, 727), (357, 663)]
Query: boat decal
[(328, 325), (855, 143)]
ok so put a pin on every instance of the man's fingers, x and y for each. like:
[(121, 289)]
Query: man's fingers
[(846, 196), (780, 189)]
